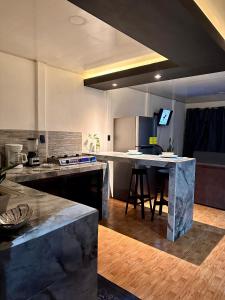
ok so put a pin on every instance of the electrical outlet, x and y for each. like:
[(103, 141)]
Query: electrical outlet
[(42, 139)]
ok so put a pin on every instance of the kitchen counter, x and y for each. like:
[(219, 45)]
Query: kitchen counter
[(55, 256), (34, 173), (24, 174), (153, 160), (181, 186)]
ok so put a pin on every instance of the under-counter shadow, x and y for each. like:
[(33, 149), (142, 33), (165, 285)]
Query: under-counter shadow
[(193, 247)]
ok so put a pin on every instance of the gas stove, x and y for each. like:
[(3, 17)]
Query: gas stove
[(71, 160)]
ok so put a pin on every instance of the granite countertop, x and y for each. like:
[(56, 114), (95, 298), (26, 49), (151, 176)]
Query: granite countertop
[(154, 159), (49, 212), (34, 173)]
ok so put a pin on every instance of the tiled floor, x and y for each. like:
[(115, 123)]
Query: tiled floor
[(135, 254)]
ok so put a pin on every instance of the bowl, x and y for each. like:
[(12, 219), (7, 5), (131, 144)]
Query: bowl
[(4, 199), (168, 153), (16, 217), (133, 151)]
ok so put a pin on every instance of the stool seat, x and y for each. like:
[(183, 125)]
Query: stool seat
[(137, 177)]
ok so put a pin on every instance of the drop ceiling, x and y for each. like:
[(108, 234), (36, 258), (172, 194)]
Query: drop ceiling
[(42, 30), (202, 88), (215, 12), (178, 29)]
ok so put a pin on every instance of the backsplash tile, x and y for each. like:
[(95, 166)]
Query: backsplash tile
[(56, 142), (60, 143)]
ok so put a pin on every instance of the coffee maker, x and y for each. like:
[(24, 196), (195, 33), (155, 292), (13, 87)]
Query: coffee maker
[(33, 158), (14, 156)]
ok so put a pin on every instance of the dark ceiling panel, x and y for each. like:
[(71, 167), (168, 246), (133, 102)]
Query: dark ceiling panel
[(151, 69), (176, 29), (130, 79)]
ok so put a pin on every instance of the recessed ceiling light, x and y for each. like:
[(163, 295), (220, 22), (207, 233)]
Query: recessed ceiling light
[(77, 20), (158, 76), (114, 84)]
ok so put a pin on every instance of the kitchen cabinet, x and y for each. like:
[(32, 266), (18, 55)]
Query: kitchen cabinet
[(85, 188)]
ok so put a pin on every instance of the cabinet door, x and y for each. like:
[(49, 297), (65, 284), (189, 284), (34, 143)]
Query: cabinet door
[(210, 188)]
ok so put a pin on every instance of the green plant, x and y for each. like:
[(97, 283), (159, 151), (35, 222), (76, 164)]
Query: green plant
[(93, 142)]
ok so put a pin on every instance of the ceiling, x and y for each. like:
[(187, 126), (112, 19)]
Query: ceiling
[(215, 12), (178, 30), (202, 88), (42, 30)]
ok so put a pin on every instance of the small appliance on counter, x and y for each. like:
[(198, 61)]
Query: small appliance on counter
[(71, 160), (14, 156), (33, 158)]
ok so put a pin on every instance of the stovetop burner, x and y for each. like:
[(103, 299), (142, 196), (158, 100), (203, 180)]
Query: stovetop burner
[(65, 156), (71, 160)]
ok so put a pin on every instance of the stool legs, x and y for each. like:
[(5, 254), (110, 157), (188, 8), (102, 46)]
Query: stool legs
[(129, 194), (161, 197), (148, 187), (154, 205), (139, 183), (136, 191), (142, 197), (162, 201)]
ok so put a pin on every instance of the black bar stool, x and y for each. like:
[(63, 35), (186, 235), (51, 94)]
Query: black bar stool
[(162, 175), (137, 177)]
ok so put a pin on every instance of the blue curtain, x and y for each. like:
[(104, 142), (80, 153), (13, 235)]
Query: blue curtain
[(204, 130)]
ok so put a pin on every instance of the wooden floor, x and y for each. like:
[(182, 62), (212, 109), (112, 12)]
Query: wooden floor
[(135, 254)]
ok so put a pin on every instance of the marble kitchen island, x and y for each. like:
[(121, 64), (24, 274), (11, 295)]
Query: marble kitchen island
[(181, 186), (55, 256), (26, 174)]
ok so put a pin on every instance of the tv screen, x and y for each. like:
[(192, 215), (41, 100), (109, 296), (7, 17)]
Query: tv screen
[(164, 117)]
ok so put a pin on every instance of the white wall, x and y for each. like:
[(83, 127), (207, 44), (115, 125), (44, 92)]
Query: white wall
[(36, 96), (205, 104), (17, 92), (125, 102), (129, 102), (163, 133), (72, 107), (63, 103), (175, 130), (179, 126)]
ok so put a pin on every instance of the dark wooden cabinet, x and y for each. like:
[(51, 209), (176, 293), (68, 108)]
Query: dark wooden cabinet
[(210, 185), (85, 188)]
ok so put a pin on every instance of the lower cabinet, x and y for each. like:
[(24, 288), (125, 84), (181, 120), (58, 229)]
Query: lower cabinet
[(85, 188), (210, 185)]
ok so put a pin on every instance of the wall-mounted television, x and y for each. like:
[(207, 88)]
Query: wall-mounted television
[(164, 117)]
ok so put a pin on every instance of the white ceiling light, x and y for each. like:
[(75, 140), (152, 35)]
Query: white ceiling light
[(158, 76), (77, 20), (114, 84)]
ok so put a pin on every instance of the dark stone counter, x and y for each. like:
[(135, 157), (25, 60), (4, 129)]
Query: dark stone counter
[(55, 256)]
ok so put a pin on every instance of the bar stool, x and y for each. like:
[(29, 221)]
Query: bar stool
[(137, 177), (162, 175)]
